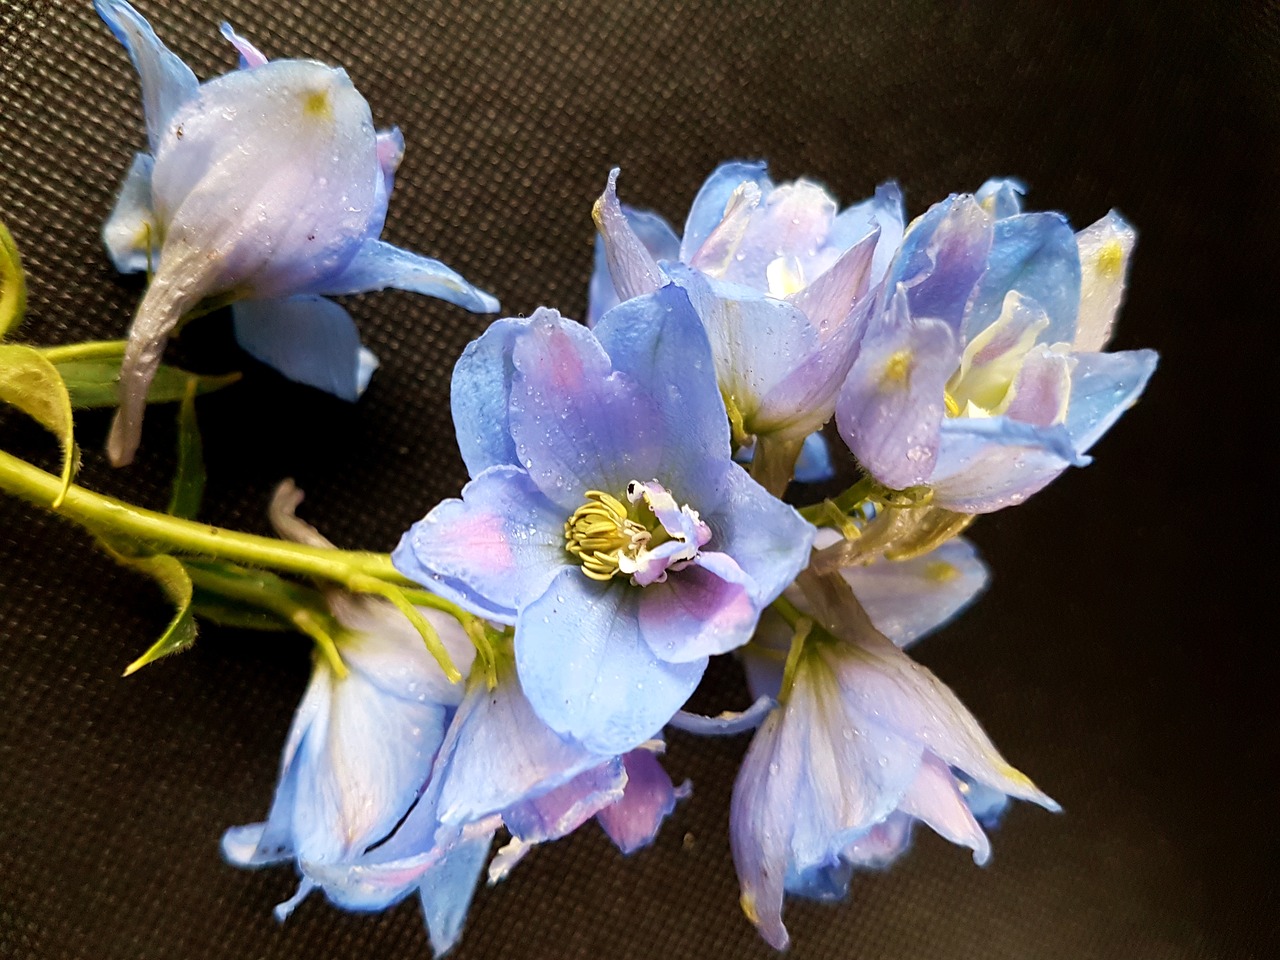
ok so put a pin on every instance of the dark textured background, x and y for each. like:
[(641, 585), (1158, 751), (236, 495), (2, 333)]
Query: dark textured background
[(1117, 657)]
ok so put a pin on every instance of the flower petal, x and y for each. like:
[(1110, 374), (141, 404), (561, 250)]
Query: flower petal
[(935, 798), (1036, 255), (1040, 392), (309, 340), (891, 407), (789, 228), (988, 464), (632, 268), (814, 464), (831, 297), (708, 207), (378, 265), (658, 239), (130, 234), (167, 82), (561, 810), (883, 210), (446, 891), (942, 255), (908, 599), (588, 672), (1001, 196), (493, 551), (649, 797), (1105, 248), (705, 609), (1104, 386), (481, 393), (250, 56), (728, 723)]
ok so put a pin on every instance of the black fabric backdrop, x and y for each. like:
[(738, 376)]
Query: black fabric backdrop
[(1116, 658)]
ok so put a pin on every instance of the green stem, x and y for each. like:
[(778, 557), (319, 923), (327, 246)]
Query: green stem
[(89, 350), (845, 501), (186, 537)]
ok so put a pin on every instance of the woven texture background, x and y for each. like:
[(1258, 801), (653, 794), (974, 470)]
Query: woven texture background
[(1117, 658)]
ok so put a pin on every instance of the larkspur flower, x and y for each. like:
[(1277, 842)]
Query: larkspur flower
[(782, 281), (266, 188), (981, 375), (605, 518), (361, 745), (864, 742)]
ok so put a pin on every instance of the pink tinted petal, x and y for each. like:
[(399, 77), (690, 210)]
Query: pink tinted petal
[(935, 798), (649, 797), (699, 611), (631, 265), (1042, 389)]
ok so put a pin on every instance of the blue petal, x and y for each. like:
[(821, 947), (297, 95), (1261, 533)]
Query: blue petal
[(631, 265), (884, 210), (587, 671), (309, 339), (481, 394), (250, 56), (707, 608), (943, 254), (493, 551), (659, 343), (725, 724), (1104, 386), (708, 206), (131, 234), (648, 798), (1002, 196), (657, 237), (814, 464), (908, 599), (167, 82), (891, 407), (1036, 255), (988, 464), (378, 265), (446, 891)]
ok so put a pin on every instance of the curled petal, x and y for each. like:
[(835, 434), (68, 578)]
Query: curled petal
[(131, 234), (942, 255), (1105, 248), (725, 724), (1001, 196), (883, 211), (649, 797), (250, 56), (631, 266), (378, 265), (657, 237), (708, 208), (1104, 386)]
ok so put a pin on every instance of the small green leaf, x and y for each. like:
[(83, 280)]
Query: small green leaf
[(32, 384), (209, 606), (176, 584), (189, 478), (13, 285), (95, 381)]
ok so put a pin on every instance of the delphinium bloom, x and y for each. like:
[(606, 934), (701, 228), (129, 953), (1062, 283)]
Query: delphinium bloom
[(605, 518), (266, 188), (783, 282), (864, 741), (981, 374), (362, 743)]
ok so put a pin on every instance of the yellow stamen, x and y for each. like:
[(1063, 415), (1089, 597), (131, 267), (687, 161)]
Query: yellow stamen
[(600, 532)]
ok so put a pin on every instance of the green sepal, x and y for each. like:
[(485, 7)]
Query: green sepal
[(93, 380), (208, 605), (176, 583), (13, 284), (32, 384), (189, 476)]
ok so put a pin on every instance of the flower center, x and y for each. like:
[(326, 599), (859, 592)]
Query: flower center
[(641, 539)]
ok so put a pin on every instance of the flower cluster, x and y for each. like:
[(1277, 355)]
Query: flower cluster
[(625, 518)]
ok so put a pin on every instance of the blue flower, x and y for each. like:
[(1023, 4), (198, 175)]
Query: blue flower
[(266, 187), (864, 742), (605, 518), (981, 374), (782, 281)]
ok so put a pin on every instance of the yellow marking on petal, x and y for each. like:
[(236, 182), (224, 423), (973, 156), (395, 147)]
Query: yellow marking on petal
[(940, 571), (318, 105), (953, 405), (896, 369), (1110, 258), (785, 276), (1017, 776), (748, 903)]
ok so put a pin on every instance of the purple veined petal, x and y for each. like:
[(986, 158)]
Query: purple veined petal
[(131, 234), (1105, 248), (578, 425), (883, 210), (909, 599), (659, 343), (1002, 196), (500, 754), (250, 56), (767, 538), (480, 394), (786, 230), (988, 464), (727, 723), (649, 797), (942, 255), (830, 298), (446, 891), (308, 339), (378, 265), (1036, 255), (705, 609), (814, 463), (561, 810), (632, 268), (1103, 387), (657, 237), (588, 672), (910, 700), (1040, 393), (891, 407), (493, 551), (993, 358), (167, 82), (708, 207), (935, 798)]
